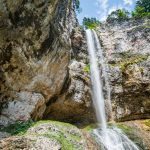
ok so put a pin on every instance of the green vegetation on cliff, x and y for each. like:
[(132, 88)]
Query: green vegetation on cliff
[(120, 15), (90, 23), (66, 136), (142, 9)]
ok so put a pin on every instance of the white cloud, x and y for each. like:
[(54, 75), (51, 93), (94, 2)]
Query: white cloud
[(113, 8), (103, 9), (128, 2)]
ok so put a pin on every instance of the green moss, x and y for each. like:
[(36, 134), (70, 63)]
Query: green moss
[(52, 2), (125, 129), (90, 127), (129, 59), (56, 123), (131, 133), (147, 27), (19, 128), (132, 60), (66, 145), (87, 68), (147, 123), (66, 134)]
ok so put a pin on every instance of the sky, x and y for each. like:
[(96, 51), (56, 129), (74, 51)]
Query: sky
[(101, 8)]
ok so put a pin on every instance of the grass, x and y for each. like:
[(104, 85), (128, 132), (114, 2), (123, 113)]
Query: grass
[(66, 145), (147, 123), (90, 127), (65, 134), (67, 140), (130, 132), (125, 129), (19, 128), (87, 68), (132, 60), (129, 59)]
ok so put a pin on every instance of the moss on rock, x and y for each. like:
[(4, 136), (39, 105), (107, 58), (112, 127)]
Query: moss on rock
[(67, 136), (131, 133), (147, 123)]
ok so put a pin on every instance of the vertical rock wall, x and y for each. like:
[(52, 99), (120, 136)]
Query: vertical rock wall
[(126, 46), (35, 51)]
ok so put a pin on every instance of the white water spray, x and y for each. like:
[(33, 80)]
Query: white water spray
[(104, 67), (110, 138), (98, 97)]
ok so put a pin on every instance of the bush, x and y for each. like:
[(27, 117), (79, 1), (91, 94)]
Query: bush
[(77, 5), (90, 23), (142, 9), (120, 15)]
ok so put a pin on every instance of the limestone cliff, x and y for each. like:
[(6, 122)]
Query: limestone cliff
[(36, 39), (126, 47), (44, 65)]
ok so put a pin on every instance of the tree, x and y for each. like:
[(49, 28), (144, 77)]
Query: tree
[(142, 9), (144, 4), (90, 23), (120, 15), (77, 5)]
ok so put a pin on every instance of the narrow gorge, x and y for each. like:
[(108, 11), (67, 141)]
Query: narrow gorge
[(47, 98)]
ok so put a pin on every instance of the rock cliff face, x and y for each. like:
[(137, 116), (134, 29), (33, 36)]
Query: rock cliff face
[(36, 40), (126, 46), (44, 72)]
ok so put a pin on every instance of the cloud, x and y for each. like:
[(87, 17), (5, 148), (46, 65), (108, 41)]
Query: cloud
[(113, 8), (102, 9), (128, 2)]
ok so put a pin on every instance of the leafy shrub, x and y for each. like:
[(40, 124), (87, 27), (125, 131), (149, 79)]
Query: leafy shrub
[(145, 4), (77, 5), (18, 128), (87, 68), (90, 23), (120, 15), (142, 9)]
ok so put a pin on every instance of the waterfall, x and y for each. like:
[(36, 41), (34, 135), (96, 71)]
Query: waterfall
[(98, 97), (110, 138), (104, 67)]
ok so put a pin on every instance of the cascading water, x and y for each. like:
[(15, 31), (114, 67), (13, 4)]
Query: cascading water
[(109, 138)]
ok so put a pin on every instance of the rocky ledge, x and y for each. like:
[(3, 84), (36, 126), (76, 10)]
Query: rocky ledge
[(53, 135)]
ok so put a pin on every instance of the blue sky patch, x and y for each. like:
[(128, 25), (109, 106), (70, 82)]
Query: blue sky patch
[(101, 8)]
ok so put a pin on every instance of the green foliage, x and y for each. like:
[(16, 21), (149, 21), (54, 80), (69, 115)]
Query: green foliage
[(131, 133), (87, 68), (129, 59), (77, 5), (126, 129), (142, 9), (19, 128), (120, 15), (147, 123), (65, 134), (144, 4), (132, 60), (90, 127), (90, 23)]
